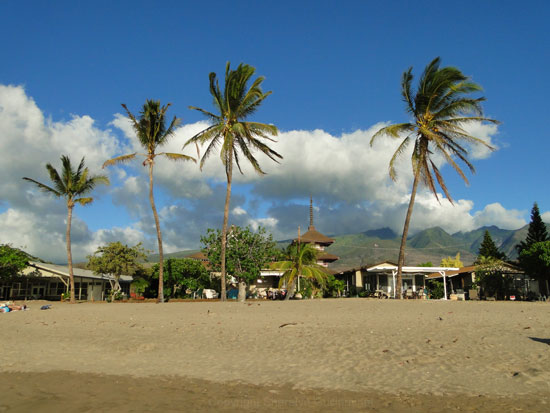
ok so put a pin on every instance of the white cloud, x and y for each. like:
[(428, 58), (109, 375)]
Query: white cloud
[(496, 214), (347, 177)]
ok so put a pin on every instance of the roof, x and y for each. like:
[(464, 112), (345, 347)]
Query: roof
[(77, 272), (312, 235), (389, 267), (325, 256), (505, 268)]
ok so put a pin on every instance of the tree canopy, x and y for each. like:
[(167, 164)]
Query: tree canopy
[(535, 261), (12, 261), (182, 274), (452, 262), (116, 259), (488, 248), (537, 231), (247, 251)]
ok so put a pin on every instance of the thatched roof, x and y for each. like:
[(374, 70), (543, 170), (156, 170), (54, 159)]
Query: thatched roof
[(314, 236)]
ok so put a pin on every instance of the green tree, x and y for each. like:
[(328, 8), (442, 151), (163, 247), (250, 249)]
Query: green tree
[(151, 131), (301, 263), (236, 136), (452, 262), (537, 231), (183, 274), (490, 277), (116, 259), (426, 264), (535, 261), (440, 110), (12, 261), (488, 248), (72, 185), (247, 253)]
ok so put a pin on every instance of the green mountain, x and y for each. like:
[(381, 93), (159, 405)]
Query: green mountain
[(432, 244)]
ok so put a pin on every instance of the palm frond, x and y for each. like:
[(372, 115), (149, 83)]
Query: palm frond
[(177, 156), (119, 159), (43, 187), (393, 131), (84, 201)]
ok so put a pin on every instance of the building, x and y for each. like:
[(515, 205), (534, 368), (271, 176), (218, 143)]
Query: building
[(461, 281), (50, 281), (381, 278), (318, 240)]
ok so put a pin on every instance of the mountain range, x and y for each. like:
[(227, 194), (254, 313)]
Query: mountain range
[(429, 245)]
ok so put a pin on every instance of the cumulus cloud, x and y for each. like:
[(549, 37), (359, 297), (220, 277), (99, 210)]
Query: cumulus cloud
[(347, 178)]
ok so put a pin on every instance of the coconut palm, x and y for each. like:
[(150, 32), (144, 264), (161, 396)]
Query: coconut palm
[(237, 137), (302, 262), (72, 185), (440, 110), (152, 132)]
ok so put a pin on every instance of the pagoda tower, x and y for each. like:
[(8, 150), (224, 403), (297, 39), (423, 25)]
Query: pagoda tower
[(318, 240)]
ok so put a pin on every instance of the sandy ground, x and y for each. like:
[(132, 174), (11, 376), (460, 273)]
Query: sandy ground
[(314, 355)]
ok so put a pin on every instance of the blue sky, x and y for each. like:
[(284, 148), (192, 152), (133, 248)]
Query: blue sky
[(333, 67)]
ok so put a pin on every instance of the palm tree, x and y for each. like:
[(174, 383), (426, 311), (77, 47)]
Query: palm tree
[(152, 132), (440, 110), (71, 185), (236, 136), (302, 262)]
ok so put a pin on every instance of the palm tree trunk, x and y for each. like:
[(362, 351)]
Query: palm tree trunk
[(69, 253), (291, 289), (159, 235), (401, 260), (229, 173)]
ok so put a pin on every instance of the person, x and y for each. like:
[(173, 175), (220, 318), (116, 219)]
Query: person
[(6, 308)]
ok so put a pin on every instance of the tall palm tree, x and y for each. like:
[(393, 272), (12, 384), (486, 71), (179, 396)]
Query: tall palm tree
[(71, 185), (301, 263), (152, 132), (440, 110), (237, 137)]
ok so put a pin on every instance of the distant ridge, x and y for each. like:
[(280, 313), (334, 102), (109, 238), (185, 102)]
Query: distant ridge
[(431, 244)]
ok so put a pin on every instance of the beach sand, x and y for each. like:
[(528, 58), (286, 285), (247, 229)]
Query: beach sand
[(312, 355)]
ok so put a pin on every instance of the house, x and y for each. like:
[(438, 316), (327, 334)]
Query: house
[(381, 277), (50, 281), (461, 280)]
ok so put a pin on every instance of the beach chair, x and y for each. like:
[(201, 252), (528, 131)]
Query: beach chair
[(210, 294)]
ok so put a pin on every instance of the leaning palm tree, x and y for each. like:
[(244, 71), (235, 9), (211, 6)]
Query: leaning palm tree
[(440, 111), (237, 137), (152, 132), (71, 185), (301, 263)]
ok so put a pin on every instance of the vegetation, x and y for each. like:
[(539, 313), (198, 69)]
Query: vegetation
[(440, 110), (247, 253), (12, 261), (537, 231), (72, 185), (491, 278), (237, 137), (116, 259), (452, 262), (488, 248), (535, 260), (182, 276), (152, 133), (436, 290), (301, 262)]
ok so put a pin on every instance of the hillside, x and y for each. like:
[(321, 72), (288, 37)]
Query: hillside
[(431, 244)]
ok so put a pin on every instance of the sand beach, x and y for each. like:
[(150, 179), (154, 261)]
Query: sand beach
[(311, 355)]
